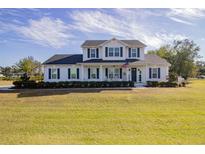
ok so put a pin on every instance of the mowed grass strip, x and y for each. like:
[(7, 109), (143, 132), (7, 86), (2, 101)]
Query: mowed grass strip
[(140, 116)]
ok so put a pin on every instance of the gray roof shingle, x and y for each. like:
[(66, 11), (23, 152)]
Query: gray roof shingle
[(78, 58), (94, 43), (65, 59)]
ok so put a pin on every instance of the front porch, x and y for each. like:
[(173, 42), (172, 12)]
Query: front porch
[(114, 72)]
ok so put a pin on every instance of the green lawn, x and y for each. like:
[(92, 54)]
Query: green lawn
[(141, 116)]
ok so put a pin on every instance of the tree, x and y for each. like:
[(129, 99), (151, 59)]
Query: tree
[(6, 71), (29, 66), (181, 55)]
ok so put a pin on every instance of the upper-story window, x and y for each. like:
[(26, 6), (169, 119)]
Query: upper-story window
[(134, 52), (92, 53), (114, 52)]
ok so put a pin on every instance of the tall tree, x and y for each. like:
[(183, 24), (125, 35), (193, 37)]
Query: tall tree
[(181, 55), (29, 66)]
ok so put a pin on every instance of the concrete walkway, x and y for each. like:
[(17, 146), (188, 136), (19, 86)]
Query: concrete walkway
[(6, 87)]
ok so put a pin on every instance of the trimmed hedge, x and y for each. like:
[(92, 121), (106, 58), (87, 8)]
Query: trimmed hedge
[(71, 84), (162, 84)]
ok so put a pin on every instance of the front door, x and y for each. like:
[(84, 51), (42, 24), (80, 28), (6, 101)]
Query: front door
[(134, 74)]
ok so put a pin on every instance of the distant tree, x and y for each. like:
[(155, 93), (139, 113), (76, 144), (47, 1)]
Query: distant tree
[(6, 71), (29, 66), (200, 67), (181, 55)]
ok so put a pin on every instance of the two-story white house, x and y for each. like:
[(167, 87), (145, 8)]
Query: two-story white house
[(107, 60)]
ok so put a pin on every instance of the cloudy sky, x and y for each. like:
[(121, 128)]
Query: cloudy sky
[(42, 33)]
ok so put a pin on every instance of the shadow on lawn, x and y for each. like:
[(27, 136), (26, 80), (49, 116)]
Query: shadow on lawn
[(50, 92)]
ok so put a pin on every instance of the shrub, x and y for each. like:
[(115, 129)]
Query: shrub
[(161, 84), (71, 84), (152, 83)]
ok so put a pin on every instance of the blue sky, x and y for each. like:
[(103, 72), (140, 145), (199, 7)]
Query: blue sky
[(42, 33)]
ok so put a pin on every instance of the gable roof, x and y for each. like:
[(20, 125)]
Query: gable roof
[(65, 59), (78, 58), (94, 43)]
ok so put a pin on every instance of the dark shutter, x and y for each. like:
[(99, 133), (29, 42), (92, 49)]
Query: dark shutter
[(49, 73), (106, 51), (78, 73), (88, 53), (58, 73), (159, 73), (129, 52), (138, 52), (106, 72), (97, 53), (88, 73), (121, 51), (150, 73), (120, 73), (68, 73), (97, 73)]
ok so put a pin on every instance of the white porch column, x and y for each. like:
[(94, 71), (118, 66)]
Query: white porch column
[(101, 73), (82, 73), (127, 73)]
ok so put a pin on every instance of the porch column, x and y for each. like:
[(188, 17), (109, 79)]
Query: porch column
[(101, 73), (82, 73), (127, 74)]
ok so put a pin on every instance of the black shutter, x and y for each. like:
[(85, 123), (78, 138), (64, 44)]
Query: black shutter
[(106, 72), (88, 73), (97, 73), (106, 51), (159, 73), (129, 52), (150, 73), (138, 52), (58, 73), (97, 53), (49, 73), (68, 73), (88, 53), (120, 73), (78, 73), (121, 51)]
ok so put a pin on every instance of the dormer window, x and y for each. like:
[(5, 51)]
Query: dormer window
[(114, 52), (93, 53), (134, 52)]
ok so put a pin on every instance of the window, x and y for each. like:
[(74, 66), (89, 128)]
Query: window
[(93, 53), (154, 73), (117, 52), (134, 52), (73, 73), (113, 73), (93, 73), (53, 73), (114, 52), (111, 52)]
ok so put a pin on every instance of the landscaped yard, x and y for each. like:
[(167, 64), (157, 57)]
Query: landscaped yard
[(141, 116)]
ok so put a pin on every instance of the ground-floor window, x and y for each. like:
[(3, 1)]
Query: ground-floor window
[(53, 73), (73, 73), (154, 73), (93, 73), (114, 73)]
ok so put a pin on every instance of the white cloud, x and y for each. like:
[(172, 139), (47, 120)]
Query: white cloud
[(46, 31), (186, 16), (122, 24)]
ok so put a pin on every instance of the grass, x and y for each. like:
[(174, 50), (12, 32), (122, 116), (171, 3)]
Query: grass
[(5, 82), (141, 116)]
